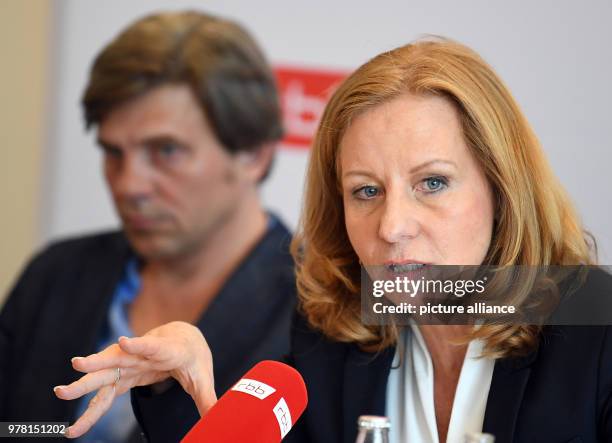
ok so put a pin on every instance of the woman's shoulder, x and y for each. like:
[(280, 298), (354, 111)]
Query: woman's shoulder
[(585, 298), (582, 326)]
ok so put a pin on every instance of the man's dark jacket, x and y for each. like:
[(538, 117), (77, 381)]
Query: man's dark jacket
[(60, 303)]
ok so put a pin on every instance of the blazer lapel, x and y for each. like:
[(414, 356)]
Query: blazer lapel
[(365, 385), (510, 377)]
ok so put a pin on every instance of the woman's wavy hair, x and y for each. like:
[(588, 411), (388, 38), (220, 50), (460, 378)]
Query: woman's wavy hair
[(535, 221)]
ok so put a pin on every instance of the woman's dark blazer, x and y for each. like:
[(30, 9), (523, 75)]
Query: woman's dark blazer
[(561, 392)]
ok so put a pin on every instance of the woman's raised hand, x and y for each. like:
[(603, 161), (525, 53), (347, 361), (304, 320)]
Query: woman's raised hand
[(176, 350)]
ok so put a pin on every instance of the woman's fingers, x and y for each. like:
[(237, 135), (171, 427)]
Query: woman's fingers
[(181, 349), (112, 356), (176, 349), (149, 347), (158, 352), (95, 409), (94, 381)]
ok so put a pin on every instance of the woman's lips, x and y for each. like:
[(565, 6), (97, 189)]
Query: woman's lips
[(411, 271), (401, 268), (392, 269)]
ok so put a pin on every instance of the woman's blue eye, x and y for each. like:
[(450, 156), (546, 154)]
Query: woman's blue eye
[(367, 192), (434, 184)]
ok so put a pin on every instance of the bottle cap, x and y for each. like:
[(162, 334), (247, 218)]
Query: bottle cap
[(373, 422), (477, 437)]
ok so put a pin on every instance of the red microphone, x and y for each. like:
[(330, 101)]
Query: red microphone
[(261, 407)]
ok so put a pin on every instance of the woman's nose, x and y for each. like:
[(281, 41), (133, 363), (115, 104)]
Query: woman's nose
[(400, 219)]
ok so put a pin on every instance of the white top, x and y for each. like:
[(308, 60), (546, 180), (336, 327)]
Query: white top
[(410, 392)]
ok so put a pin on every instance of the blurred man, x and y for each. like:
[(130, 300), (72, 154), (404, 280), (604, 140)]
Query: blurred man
[(187, 118)]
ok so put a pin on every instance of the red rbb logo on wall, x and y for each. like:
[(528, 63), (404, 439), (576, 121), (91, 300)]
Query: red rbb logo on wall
[(303, 94)]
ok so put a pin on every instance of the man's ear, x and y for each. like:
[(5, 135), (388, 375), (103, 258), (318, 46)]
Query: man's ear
[(255, 164)]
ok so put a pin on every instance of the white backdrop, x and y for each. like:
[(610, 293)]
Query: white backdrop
[(554, 55)]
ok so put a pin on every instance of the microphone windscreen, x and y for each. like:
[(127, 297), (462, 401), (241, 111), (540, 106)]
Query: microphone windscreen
[(261, 407)]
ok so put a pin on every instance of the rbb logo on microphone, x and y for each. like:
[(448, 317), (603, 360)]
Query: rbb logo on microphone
[(276, 397), (254, 388), (281, 410)]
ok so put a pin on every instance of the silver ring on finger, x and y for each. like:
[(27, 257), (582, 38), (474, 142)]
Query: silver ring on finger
[(118, 376)]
